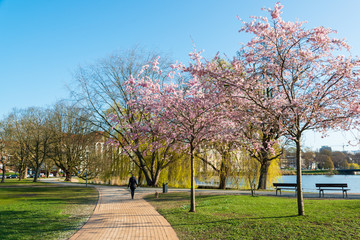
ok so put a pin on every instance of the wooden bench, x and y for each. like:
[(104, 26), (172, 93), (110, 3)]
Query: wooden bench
[(332, 187), (290, 186)]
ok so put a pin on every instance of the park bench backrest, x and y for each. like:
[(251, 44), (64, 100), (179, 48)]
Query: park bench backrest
[(331, 185), (284, 184)]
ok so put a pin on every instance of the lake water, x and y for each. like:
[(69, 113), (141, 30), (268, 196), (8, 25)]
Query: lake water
[(309, 181)]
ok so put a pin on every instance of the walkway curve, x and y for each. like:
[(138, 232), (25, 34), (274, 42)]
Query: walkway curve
[(117, 216)]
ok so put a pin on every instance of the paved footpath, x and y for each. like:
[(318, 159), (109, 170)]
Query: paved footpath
[(117, 216)]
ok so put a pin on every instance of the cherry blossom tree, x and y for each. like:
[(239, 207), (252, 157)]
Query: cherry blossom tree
[(299, 78), (187, 112), (312, 85), (259, 133), (254, 127)]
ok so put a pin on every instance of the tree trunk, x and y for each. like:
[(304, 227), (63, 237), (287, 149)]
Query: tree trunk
[(149, 180), (300, 200), (156, 178), (140, 177), (252, 191), (223, 175), (224, 171), (223, 178), (22, 173), (68, 176), (36, 174), (264, 168), (25, 173), (192, 194)]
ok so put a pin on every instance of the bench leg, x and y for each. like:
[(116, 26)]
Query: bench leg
[(277, 191), (345, 193)]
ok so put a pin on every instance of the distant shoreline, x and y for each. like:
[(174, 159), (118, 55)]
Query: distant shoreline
[(313, 172)]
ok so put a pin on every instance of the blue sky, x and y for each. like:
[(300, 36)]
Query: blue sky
[(44, 41)]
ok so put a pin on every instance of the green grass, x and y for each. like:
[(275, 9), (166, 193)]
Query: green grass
[(246, 217), (15, 181), (43, 211)]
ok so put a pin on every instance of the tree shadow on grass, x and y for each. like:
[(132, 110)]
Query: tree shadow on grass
[(52, 195), (32, 225), (231, 220), (45, 188), (175, 197), (71, 201)]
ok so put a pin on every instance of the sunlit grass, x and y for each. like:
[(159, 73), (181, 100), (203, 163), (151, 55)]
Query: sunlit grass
[(43, 211), (246, 217)]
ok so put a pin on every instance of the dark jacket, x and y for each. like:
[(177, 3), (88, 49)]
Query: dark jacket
[(132, 182)]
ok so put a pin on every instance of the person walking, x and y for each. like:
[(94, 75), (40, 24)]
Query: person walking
[(132, 184)]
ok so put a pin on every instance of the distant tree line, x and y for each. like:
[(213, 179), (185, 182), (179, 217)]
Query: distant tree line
[(324, 158)]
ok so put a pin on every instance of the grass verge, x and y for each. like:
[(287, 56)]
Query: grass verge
[(43, 211), (261, 217)]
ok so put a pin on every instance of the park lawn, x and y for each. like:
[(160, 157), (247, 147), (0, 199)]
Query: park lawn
[(260, 217), (43, 211)]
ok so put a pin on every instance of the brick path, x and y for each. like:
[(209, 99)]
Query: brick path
[(117, 216)]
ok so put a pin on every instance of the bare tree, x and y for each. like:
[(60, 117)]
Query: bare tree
[(72, 136), (5, 146), (16, 143), (102, 92), (38, 138)]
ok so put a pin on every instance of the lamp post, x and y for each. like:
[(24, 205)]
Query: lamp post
[(87, 162)]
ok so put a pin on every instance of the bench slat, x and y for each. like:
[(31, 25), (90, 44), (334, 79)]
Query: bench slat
[(331, 184), (284, 184)]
